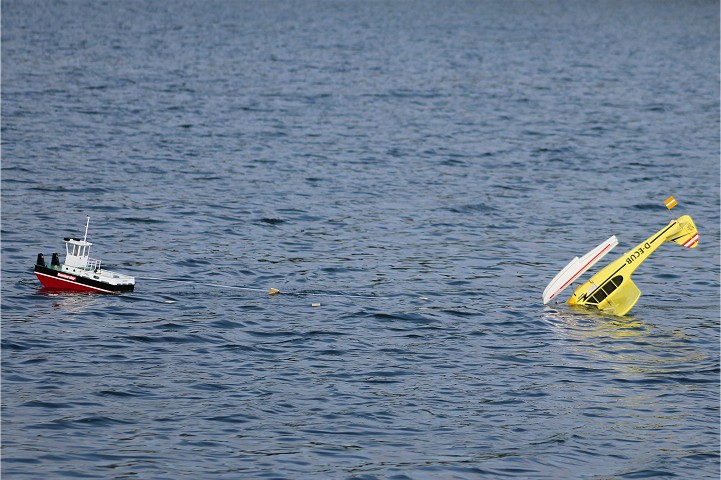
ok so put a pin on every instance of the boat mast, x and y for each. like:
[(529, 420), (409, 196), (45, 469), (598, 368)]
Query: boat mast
[(85, 238)]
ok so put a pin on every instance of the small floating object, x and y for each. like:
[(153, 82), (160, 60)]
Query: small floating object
[(670, 202), (79, 272), (612, 290), (315, 304), (273, 291)]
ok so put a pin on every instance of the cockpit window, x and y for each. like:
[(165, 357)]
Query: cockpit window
[(605, 290)]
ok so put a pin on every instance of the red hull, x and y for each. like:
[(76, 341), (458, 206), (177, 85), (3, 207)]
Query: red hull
[(56, 283)]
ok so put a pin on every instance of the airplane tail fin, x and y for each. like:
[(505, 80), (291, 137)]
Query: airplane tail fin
[(687, 234)]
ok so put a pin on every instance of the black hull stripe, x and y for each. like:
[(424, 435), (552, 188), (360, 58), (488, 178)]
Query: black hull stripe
[(88, 282)]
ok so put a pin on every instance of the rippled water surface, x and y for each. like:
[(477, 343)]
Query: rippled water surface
[(418, 171)]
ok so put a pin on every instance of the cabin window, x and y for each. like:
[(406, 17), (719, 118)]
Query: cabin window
[(605, 290)]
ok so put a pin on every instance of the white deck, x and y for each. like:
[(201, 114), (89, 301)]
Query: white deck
[(105, 276)]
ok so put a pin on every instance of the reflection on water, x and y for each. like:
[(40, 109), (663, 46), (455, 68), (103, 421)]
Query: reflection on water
[(588, 323), (629, 344), (70, 302)]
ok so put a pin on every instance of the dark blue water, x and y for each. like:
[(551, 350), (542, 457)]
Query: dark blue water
[(419, 169)]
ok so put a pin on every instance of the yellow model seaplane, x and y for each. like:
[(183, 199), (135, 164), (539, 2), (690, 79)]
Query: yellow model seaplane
[(612, 289)]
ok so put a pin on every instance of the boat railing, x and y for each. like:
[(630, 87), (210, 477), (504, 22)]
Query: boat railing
[(93, 264)]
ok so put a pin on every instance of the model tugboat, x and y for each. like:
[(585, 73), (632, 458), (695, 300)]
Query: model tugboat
[(79, 272)]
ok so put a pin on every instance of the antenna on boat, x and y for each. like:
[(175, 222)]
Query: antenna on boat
[(85, 238)]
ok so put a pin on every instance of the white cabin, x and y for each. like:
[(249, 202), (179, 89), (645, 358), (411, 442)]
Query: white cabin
[(77, 253)]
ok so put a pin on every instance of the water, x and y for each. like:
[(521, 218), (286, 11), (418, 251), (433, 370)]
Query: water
[(419, 169)]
